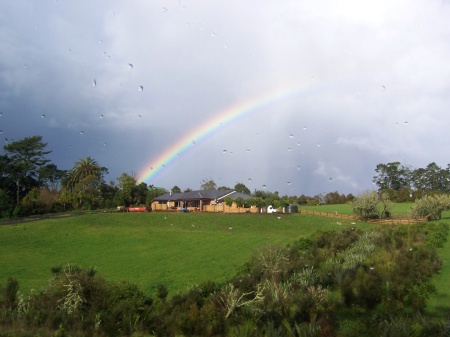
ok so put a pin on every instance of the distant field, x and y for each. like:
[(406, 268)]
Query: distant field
[(399, 208), (176, 249)]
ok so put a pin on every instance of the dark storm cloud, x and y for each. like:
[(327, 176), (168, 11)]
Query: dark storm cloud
[(121, 81)]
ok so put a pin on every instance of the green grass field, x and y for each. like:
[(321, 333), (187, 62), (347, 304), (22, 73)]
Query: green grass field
[(176, 249), (439, 304), (398, 208)]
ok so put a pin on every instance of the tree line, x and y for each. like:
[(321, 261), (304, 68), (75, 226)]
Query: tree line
[(404, 183), (31, 184)]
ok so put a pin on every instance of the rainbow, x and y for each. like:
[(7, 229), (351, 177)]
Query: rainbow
[(220, 120)]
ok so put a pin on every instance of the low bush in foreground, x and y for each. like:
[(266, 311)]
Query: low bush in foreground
[(348, 283)]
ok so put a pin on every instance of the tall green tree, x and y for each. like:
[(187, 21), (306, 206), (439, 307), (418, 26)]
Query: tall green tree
[(208, 185), (82, 169), (26, 156), (393, 176), (240, 187), (175, 189), (127, 184), (50, 176)]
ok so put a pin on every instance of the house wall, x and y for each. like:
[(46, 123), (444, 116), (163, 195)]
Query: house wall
[(211, 208)]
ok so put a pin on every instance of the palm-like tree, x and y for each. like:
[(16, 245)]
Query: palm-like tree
[(83, 168)]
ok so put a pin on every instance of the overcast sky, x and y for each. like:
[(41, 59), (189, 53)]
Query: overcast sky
[(122, 81)]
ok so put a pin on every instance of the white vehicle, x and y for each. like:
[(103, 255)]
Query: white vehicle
[(270, 209)]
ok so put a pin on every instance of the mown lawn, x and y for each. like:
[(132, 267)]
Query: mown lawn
[(176, 249)]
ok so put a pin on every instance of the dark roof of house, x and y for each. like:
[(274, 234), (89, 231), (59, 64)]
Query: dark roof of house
[(201, 194)]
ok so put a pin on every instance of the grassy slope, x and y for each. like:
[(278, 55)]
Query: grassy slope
[(147, 248)]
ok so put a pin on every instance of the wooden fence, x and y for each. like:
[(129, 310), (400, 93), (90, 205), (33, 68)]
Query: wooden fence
[(331, 215), (395, 220)]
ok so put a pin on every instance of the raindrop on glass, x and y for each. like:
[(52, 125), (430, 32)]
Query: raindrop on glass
[(249, 179), (1, 114), (298, 143), (331, 179), (43, 116), (406, 122), (318, 145), (291, 136), (384, 87), (248, 150), (94, 83), (141, 88), (289, 149), (101, 116), (193, 142), (224, 151), (213, 35), (151, 168), (410, 195), (164, 9), (1, 131), (140, 116), (289, 183), (264, 186), (130, 66), (81, 132), (304, 128), (298, 168)]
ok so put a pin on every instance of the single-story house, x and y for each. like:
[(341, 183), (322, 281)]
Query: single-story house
[(200, 201)]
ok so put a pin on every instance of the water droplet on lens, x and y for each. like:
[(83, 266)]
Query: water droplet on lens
[(1, 114), (331, 179), (224, 151), (43, 116), (1, 131), (318, 145), (193, 142), (101, 116), (298, 168), (289, 183), (264, 186), (94, 83), (289, 149), (291, 136), (164, 9), (248, 150), (130, 66), (141, 88), (140, 116), (81, 132), (384, 87), (249, 179), (298, 143), (304, 128)]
